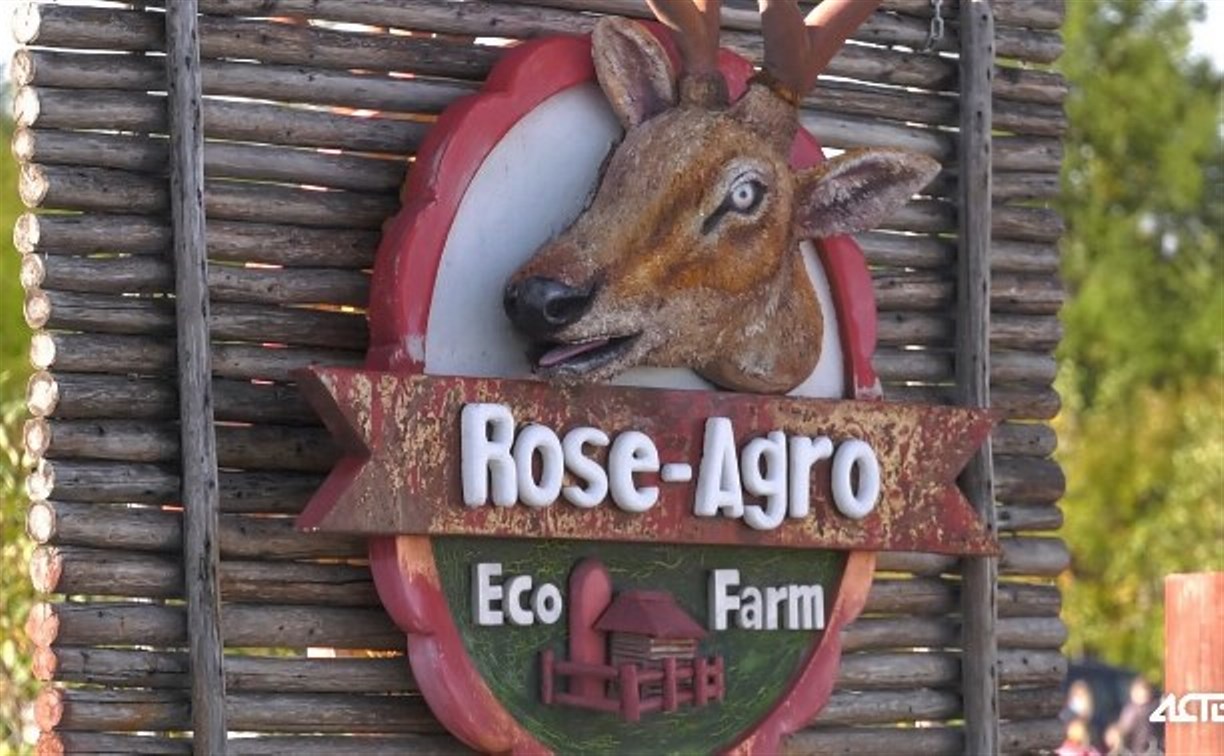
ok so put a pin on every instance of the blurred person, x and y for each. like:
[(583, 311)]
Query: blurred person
[(1078, 741), (1079, 703), (1138, 734)]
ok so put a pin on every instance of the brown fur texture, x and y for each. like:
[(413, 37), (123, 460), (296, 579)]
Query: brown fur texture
[(691, 239)]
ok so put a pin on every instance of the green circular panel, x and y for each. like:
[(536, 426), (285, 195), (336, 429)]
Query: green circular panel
[(759, 663)]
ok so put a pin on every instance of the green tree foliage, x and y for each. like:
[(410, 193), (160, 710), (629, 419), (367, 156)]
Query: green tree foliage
[(17, 686), (1141, 377)]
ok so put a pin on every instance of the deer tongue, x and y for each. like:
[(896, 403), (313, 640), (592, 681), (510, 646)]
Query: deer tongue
[(564, 352)]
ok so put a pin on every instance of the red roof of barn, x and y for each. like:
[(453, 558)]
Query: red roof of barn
[(650, 613)]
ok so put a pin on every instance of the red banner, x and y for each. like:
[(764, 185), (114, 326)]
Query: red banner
[(440, 456)]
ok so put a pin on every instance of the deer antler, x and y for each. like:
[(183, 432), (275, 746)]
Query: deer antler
[(798, 49), (696, 23)]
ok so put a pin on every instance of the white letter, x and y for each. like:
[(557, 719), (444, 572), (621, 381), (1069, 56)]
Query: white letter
[(486, 433), (585, 468), (515, 588), (854, 505), (805, 607), (552, 465), (484, 594), (770, 483), (805, 452), (749, 617), (632, 452), (721, 602), (718, 480), (547, 604), (775, 596)]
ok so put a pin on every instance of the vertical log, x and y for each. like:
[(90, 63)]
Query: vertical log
[(701, 682), (669, 684), (1194, 661), (199, 450), (630, 693), (978, 596)]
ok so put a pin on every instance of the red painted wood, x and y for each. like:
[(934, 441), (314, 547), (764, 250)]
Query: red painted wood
[(631, 702), (1194, 661), (411, 481), (669, 685), (590, 592)]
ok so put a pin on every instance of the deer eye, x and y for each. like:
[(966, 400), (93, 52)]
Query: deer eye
[(745, 196)]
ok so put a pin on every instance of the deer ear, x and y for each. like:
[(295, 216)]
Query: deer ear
[(633, 70), (857, 190)]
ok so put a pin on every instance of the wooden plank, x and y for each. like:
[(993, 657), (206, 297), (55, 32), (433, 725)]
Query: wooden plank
[(1023, 736), (246, 121), (228, 241), (227, 283), (268, 163), (980, 683), (143, 710), (109, 190), (201, 555), (316, 86), (1194, 660), (268, 745)]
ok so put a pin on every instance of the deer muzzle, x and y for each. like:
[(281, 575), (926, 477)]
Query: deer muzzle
[(540, 307)]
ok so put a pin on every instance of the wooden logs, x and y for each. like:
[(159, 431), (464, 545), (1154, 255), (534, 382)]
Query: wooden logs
[(113, 29), (107, 190), (270, 163), (255, 674), (150, 529), (226, 283), (83, 396), (254, 122), (1015, 737), (47, 68), (137, 710), (243, 625), (308, 130), (130, 354), (98, 313), (229, 241), (117, 623)]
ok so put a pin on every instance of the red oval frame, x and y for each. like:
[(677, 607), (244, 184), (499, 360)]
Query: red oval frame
[(405, 270)]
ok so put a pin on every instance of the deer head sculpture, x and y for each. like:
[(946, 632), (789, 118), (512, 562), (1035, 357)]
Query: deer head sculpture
[(687, 254)]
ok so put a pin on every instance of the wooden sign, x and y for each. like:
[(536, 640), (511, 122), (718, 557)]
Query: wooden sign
[(643, 562), (487, 457)]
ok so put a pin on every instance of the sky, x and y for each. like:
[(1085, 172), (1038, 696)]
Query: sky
[(1209, 34)]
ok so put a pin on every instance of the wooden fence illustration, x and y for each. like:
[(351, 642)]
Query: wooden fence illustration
[(635, 690)]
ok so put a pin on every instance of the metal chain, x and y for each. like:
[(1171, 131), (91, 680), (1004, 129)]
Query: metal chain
[(936, 32)]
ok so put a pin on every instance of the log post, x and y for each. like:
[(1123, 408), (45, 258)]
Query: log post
[(1194, 662), (669, 684), (979, 683), (630, 693), (201, 505), (701, 681)]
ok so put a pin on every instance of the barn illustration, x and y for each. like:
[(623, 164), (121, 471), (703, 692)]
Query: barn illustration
[(635, 653)]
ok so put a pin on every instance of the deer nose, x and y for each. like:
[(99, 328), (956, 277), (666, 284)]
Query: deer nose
[(541, 306)]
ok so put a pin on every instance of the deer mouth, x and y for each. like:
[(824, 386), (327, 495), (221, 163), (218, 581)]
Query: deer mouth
[(582, 357)]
